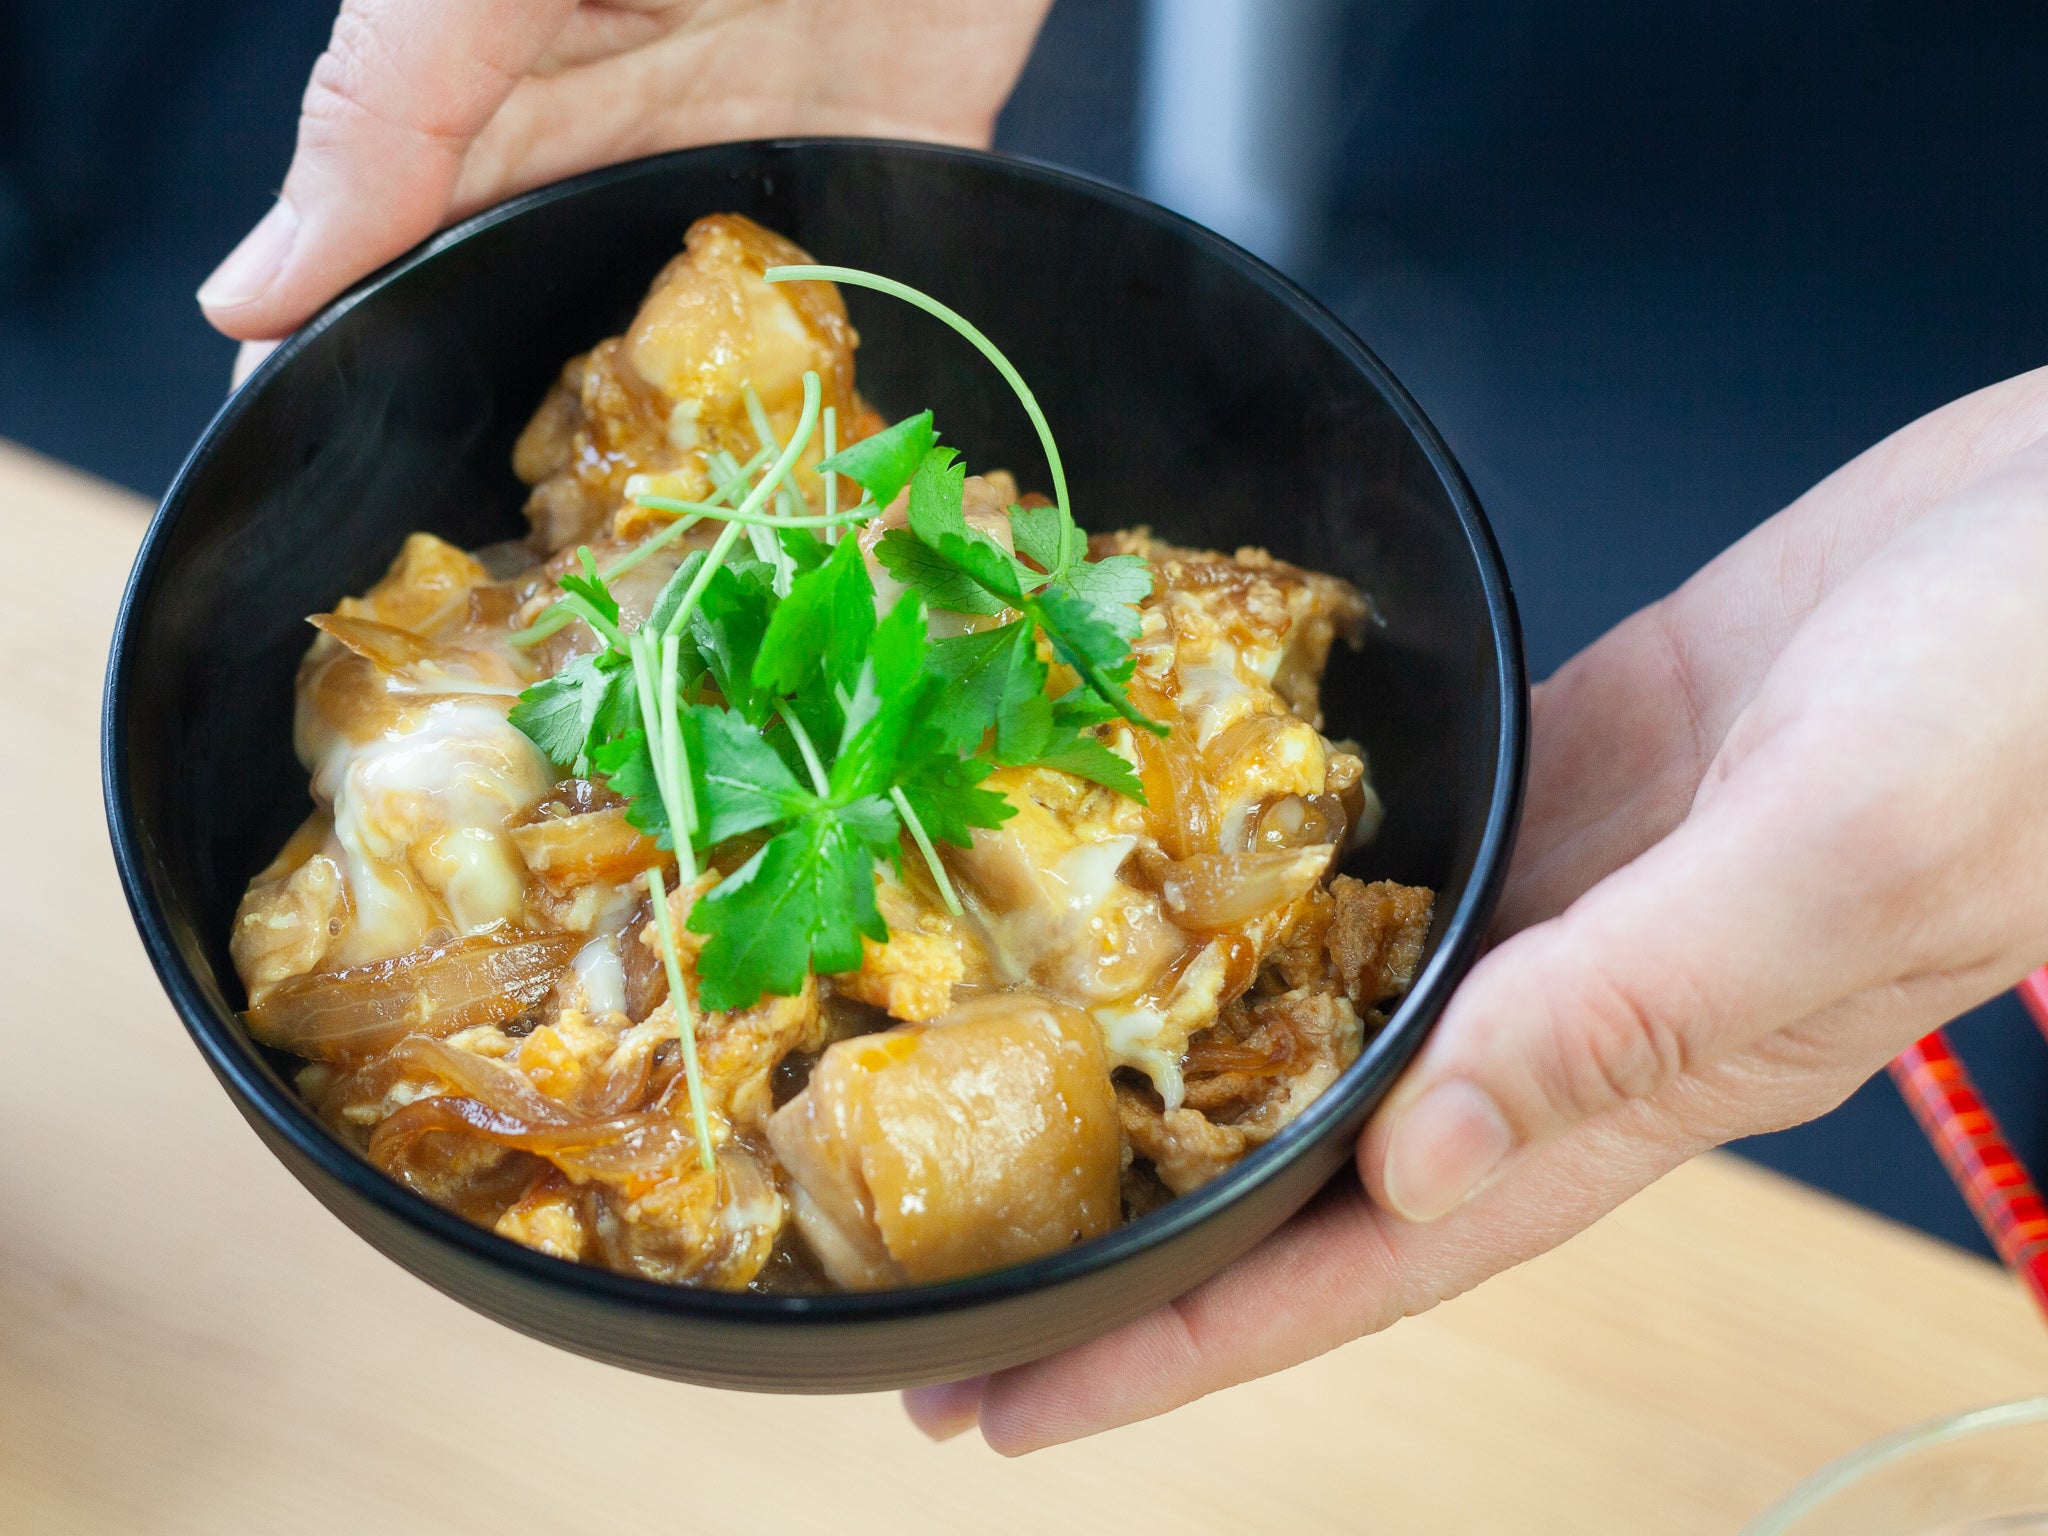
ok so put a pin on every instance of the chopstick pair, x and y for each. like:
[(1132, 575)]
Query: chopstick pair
[(1938, 1089)]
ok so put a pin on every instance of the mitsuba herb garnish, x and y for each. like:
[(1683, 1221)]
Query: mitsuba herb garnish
[(766, 697)]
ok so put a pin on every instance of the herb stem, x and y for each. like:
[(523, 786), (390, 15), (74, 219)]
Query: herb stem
[(923, 840), (554, 618), (686, 1024), (703, 511), (675, 749), (854, 277), (807, 424), (804, 745), (831, 480), (581, 607)]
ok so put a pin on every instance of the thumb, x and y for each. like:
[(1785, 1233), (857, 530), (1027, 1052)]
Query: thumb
[(1732, 928), (391, 108)]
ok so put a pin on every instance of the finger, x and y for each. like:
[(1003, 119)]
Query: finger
[(945, 1411), (1340, 1270), (393, 104), (1734, 926), (248, 358), (935, 70)]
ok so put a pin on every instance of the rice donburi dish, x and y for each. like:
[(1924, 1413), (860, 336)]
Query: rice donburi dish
[(801, 863)]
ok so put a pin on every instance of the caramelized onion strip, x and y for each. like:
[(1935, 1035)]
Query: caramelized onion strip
[(435, 990), (1212, 892)]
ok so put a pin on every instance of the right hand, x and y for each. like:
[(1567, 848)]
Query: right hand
[(422, 111)]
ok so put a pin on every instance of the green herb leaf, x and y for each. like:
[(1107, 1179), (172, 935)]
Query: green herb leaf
[(670, 597), (931, 576), (629, 769), (882, 464), (805, 549), (1081, 706), (824, 624), (590, 586), (1111, 589), (802, 902), (742, 785), (1070, 751), (887, 701), (1048, 536), (938, 519), (586, 703), (730, 621), (942, 790)]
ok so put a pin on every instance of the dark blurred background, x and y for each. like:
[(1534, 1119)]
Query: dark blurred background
[(1652, 269)]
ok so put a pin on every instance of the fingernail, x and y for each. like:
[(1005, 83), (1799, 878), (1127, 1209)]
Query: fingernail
[(945, 1411), (255, 263), (1443, 1149)]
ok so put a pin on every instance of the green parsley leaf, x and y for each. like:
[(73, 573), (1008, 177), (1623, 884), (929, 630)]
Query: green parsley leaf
[(805, 549), (586, 703), (825, 623), (590, 586), (1048, 536), (802, 902), (1070, 751), (887, 701), (1112, 589), (629, 769), (741, 784), (993, 679), (926, 572), (728, 626), (942, 790), (1082, 706), (882, 464), (938, 519), (670, 597)]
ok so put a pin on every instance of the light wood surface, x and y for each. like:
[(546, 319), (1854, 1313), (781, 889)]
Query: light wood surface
[(189, 1344)]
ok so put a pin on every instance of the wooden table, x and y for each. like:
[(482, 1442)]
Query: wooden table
[(188, 1343)]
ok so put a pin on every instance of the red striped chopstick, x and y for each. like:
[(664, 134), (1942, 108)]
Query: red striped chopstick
[(1937, 1088), (2034, 993)]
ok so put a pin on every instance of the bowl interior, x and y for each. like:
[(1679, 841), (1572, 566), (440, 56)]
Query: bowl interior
[(1189, 388)]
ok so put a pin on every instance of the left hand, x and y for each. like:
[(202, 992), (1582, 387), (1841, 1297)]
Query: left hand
[(422, 111), (1780, 825)]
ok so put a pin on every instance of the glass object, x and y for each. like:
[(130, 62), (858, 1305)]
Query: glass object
[(1983, 1473)]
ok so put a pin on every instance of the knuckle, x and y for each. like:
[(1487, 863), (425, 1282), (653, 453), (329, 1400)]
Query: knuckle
[(339, 88), (1609, 1046)]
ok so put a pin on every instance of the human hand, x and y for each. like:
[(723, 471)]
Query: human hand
[(1780, 825), (421, 111)]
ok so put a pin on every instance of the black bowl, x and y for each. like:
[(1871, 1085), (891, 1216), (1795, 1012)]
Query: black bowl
[(1191, 388)]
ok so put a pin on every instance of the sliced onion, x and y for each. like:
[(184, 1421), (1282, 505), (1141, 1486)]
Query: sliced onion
[(587, 848), (385, 645), (621, 1147), (1212, 892), (435, 990)]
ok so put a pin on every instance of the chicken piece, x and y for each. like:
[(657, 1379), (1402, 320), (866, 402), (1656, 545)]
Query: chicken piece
[(426, 590), (547, 1218), (1274, 621), (930, 1151), (1264, 1063), (292, 912), (672, 390), (1185, 1148), (1376, 936), (1052, 907)]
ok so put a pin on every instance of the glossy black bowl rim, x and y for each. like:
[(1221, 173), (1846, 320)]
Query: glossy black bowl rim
[(233, 1056)]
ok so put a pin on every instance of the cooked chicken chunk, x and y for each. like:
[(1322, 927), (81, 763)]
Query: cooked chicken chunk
[(937, 1150), (671, 392)]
